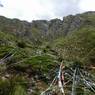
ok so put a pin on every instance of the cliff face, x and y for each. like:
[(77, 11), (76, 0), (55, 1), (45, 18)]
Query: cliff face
[(42, 29)]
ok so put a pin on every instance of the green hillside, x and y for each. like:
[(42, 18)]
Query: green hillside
[(31, 53)]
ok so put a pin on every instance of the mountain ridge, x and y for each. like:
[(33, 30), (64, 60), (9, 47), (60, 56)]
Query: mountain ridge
[(44, 28)]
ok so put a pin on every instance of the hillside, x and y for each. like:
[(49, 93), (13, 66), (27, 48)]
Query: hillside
[(31, 53)]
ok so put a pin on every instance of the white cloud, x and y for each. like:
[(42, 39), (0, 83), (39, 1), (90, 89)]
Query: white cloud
[(44, 9), (87, 5), (27, 9)]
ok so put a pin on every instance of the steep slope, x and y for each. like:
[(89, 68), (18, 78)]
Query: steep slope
[(77, 46), (41, 30), (30, 53)]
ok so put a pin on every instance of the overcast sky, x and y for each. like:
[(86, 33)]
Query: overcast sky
[(44, 9)]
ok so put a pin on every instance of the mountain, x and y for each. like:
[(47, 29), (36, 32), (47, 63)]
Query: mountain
[(42, 29), (30, 52)]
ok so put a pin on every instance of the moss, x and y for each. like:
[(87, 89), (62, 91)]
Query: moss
[(5, 87), (18, 90)]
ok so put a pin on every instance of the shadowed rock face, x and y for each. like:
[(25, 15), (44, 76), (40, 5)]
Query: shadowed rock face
[(43, 29), (71, 23)]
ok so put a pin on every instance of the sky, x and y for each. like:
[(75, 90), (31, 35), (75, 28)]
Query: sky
[(44, 9)]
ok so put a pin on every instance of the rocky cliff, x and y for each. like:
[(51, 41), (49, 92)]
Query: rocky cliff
[(42, 29)]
